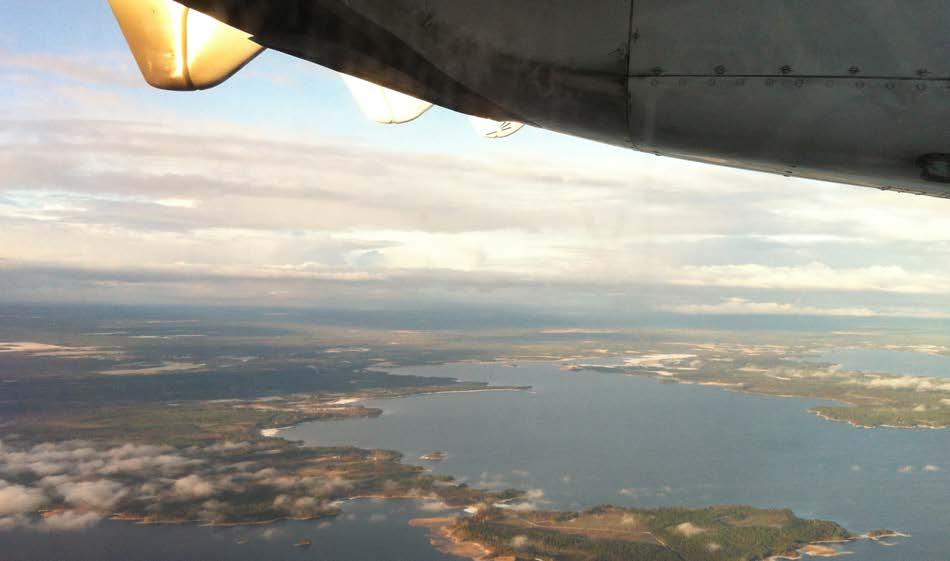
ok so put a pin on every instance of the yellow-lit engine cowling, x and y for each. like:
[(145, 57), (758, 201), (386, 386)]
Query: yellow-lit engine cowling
[(177, 48)]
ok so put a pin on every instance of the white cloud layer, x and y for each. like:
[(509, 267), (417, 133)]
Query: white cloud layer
[(741, 306), (17, 499), (104, 192)]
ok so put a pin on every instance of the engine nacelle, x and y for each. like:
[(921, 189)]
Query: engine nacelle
[(178, 48)]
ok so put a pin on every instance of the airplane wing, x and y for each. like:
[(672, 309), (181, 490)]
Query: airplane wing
[(851, 91)]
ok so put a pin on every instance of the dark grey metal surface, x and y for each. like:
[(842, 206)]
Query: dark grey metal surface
[(855, 91), (858, 131), (869, 38)]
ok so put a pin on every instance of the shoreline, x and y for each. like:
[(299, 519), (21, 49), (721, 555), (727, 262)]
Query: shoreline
[(882, 426), (444, 539), (274, 432), (739, 387)]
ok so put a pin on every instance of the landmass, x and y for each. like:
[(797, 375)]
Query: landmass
[(207, 462), (868, 399), (609, 533), (230, 483), (437, 456), (166, 421)]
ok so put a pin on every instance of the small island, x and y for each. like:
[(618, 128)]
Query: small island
[(437, 456), (882, 534), (609, 533)]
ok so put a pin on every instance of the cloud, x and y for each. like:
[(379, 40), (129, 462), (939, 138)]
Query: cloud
[(433, 506), (67, 477), (919, 383), (814, 276), (17, 499), (689, 529), (11, 522), (661, 491), (193, 486), (532, 500), (60, 462), (272, 533), (905, 469), (305, 504), (100, 495), (534, 494), (135, 458), (932, 468), (46, 350), (70, 520), (741, 306), (160, 221)]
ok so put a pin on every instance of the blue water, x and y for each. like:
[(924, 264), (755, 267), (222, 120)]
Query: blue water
[(589, 438), (889, 362)]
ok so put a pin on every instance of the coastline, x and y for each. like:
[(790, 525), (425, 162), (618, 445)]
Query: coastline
[(442, 537), (742, 388), (881, 426), (274, 432), (444, 540)]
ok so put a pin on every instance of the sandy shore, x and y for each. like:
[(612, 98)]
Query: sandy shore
[(818, 550), (441, 537)]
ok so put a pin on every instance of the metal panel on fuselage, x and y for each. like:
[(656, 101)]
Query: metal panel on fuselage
[(865, 132), (854, 91), (558, 64), (871, 38), (844, 90)]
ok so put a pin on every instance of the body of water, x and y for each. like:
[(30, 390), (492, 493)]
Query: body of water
[(367, 531), (889, 362), (586, 438), (580, 439)]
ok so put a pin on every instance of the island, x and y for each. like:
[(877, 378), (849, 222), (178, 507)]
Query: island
[(437, 456), (608, 533)]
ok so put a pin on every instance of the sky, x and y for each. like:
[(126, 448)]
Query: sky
[(273, 190)]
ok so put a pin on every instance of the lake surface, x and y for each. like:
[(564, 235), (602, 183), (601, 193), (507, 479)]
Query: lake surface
[(589, 438), (889, 362)]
